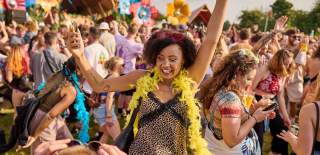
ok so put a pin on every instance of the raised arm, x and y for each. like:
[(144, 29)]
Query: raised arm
[(206, 51), (5, 37), (98, 84)]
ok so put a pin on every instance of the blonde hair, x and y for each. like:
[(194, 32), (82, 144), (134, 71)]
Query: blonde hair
[(276, 64), (31, 26), (112, 62), (78, 150), (15, 61)]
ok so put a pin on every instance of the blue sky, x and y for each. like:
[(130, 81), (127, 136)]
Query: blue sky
[(235, 6)]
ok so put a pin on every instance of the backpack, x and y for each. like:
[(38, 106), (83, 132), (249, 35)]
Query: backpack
[(20, 129)]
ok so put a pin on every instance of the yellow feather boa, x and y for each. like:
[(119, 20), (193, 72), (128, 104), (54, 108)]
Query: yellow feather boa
[(181, 84)]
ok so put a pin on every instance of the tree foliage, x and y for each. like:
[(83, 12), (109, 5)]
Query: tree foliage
[(305, 21), (226, 25), (249, 18), (281, 8)]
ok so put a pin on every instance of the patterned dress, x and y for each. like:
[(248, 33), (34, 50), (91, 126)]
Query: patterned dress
[(229, 105), (162, 128)]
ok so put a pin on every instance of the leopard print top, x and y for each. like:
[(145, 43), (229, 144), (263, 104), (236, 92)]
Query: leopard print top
[(162, 128)]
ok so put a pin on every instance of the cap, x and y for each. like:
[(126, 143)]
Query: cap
[(104, 26)]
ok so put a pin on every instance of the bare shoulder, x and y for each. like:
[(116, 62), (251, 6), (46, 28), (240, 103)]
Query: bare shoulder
[(308, 111), (309, 108)]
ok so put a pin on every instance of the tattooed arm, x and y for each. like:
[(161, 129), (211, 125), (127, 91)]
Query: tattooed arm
[(99, 84)]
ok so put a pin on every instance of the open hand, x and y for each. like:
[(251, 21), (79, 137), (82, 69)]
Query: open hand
[(31, 140), (287, 136), (49, 148), (280, 23), (74, 42)]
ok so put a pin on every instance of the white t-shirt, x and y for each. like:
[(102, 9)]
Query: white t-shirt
[(97, 55)]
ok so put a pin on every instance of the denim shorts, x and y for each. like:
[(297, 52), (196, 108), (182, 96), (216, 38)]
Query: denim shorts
[(100, 113)]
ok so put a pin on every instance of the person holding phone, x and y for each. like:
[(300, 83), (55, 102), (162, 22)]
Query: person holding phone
[(269, 83), (230, 118), (168, 112)]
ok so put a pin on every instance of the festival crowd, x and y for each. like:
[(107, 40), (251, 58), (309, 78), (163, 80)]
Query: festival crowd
[(93, 75)]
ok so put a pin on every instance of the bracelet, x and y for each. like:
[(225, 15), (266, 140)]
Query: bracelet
[(49, 116), (253, 107), (109, 116), (254, 118)]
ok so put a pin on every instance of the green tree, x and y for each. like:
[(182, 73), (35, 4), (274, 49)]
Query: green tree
[(300, 20), (314, 18), (281, 8), (226, 25), (249, 18)]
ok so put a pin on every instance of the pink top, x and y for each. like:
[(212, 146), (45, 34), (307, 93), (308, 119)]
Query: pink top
[(270, 85)]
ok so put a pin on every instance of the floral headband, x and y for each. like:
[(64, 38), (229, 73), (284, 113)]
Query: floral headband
[(174, 36), (250, 54)]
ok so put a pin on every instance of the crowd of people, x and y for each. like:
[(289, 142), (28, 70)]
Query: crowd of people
[(249, 82)]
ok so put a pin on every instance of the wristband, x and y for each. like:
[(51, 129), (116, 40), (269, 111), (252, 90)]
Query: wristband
[(49, 116), (254, 118)]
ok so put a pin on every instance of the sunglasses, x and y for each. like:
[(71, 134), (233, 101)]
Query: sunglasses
[(93, 145), (296, 37)]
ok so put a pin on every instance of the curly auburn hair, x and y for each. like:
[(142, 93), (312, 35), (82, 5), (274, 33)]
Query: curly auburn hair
[(276, 64), (225, 74), (164, 38)]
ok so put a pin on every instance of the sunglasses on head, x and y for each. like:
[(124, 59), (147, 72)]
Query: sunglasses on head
[(93, 145)]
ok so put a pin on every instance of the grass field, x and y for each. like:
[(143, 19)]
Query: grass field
[(6, 122)]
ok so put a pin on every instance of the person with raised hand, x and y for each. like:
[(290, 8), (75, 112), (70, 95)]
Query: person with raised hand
[(165, 92)]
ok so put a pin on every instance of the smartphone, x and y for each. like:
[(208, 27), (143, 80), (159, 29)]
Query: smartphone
[(271, 106)]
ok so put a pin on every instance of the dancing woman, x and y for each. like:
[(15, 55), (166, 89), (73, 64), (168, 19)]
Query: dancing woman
[(59, 92), (169, 119)]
